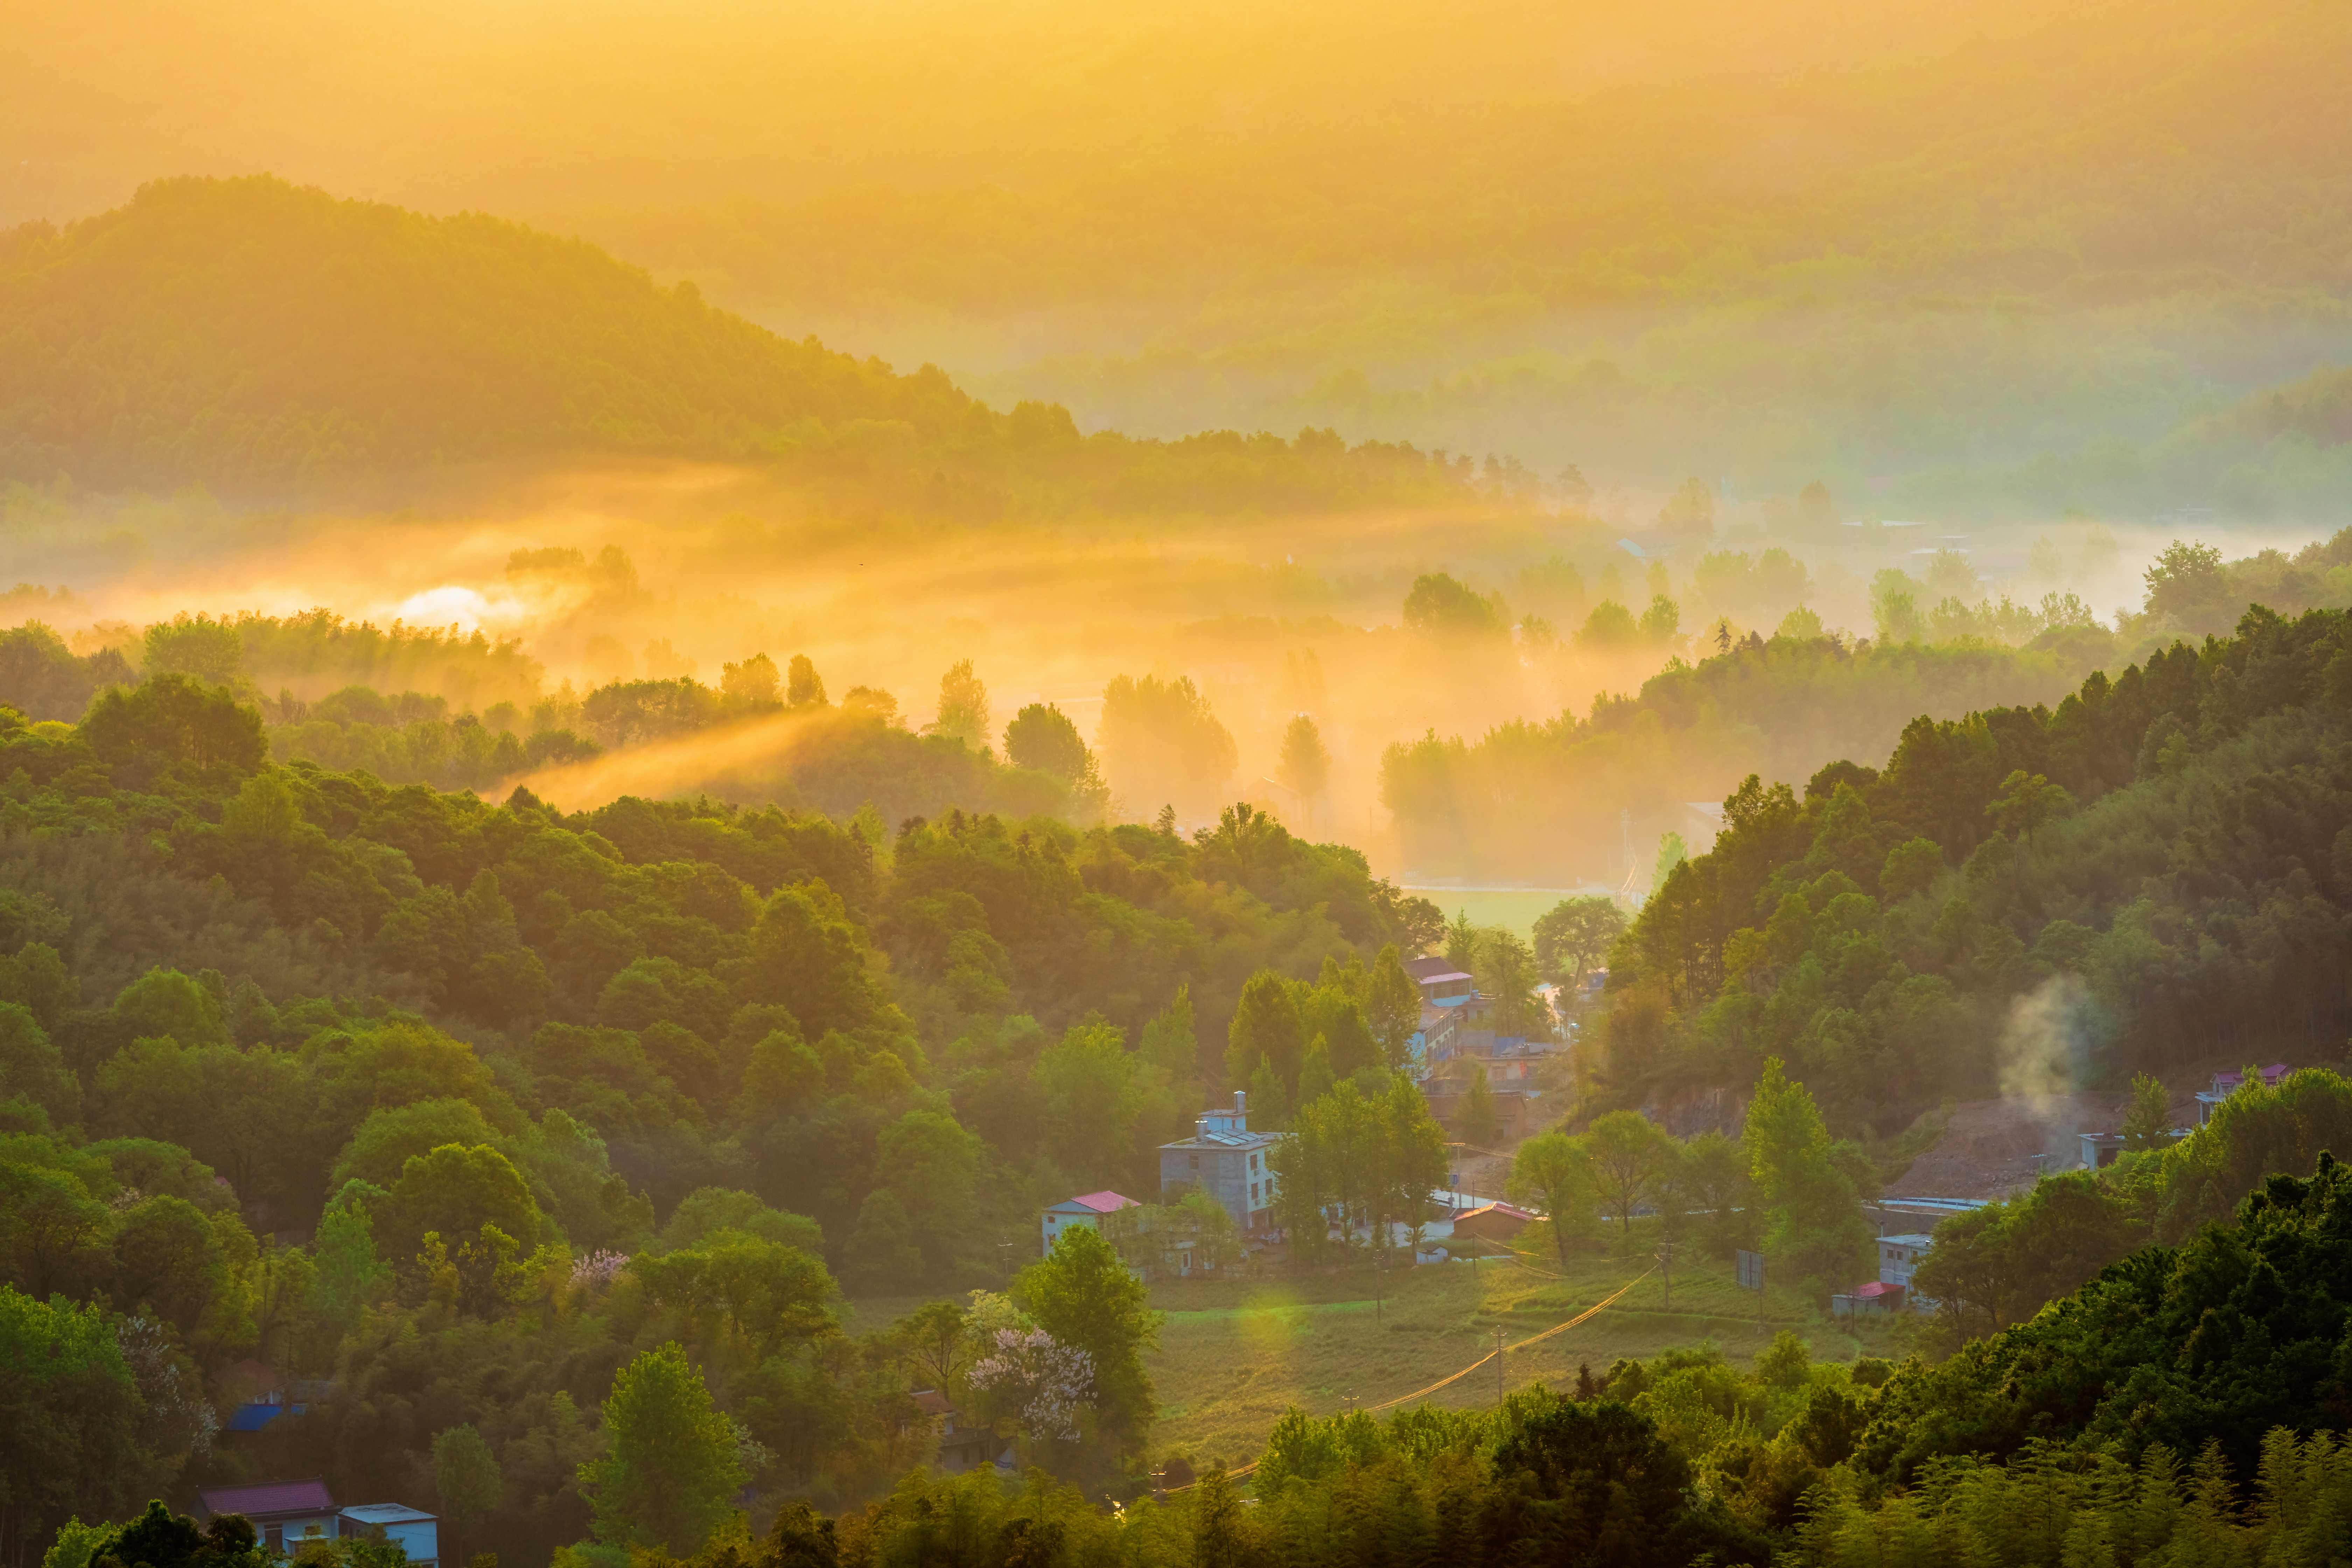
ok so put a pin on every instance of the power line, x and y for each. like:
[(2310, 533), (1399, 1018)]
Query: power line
[(1584, 1316)]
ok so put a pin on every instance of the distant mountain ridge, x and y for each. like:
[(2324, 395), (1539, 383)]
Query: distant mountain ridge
[(265, 338), (268, 341), (244, 331)]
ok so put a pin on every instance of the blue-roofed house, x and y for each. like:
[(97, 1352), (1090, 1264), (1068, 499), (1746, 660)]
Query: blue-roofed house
[(267, 1397)]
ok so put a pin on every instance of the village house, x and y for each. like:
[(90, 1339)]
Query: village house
[(415, 1532), (285, 1514), (964, 1446), (1225, 1160), (1449, 1001), (262, 1395), (1898, 1257), (2226, 1084), (1087, 1209)]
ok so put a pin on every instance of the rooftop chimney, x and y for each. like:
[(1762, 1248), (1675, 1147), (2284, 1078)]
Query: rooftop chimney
[(1240, 1102)]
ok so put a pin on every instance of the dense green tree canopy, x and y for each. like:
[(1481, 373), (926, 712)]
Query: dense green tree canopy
[(2156, 854)]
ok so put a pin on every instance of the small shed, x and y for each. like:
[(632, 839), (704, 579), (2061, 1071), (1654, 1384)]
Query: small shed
[(2100, 1149), (1875, 1299), (415, 1532)]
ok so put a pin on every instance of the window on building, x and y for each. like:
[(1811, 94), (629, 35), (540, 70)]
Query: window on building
[(1192, 1161), (1253, 1161)]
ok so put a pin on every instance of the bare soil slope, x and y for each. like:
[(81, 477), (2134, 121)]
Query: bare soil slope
[(1989, 1148)]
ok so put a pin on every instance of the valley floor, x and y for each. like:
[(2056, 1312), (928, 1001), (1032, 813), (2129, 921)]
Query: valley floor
[(1234, 1355)]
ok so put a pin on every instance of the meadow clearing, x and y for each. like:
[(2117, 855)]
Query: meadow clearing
[(1234, 1354)]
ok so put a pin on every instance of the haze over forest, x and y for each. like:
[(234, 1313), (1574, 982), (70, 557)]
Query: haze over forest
[(2006, 259), (669, 666)]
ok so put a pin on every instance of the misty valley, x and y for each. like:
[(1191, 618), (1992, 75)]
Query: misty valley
[(1035, 789)]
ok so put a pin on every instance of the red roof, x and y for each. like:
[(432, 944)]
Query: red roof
[(1512, 1210), (1104, 1201), (1879, 1288), (268, 1498), (931, 1401)]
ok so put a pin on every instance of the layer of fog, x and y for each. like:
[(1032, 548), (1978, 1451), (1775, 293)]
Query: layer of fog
[(1269, 617)]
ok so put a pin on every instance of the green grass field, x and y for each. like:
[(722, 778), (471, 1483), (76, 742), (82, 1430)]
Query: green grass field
[(1235, 1354), (1232, 1357)]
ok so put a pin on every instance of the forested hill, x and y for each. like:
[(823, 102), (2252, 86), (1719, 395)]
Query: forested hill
[(255, 337), (2156, 872), (240, 329)]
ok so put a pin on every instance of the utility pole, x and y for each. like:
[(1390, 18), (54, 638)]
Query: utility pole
[(1666, 1262), (1004, 1257), (1751, 1277), (1473, 1205), (1498, 1364)]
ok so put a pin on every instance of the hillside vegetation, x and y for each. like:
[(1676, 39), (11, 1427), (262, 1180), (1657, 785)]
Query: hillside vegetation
[(243, 329), (257, 338), (2157, 870), (301, 1068), (2182, 1407)]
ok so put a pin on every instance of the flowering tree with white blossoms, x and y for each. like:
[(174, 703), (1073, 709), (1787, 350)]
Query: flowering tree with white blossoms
[(1037, 1381)]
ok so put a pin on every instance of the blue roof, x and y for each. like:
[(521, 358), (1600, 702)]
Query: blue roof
[(255, 1417)]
